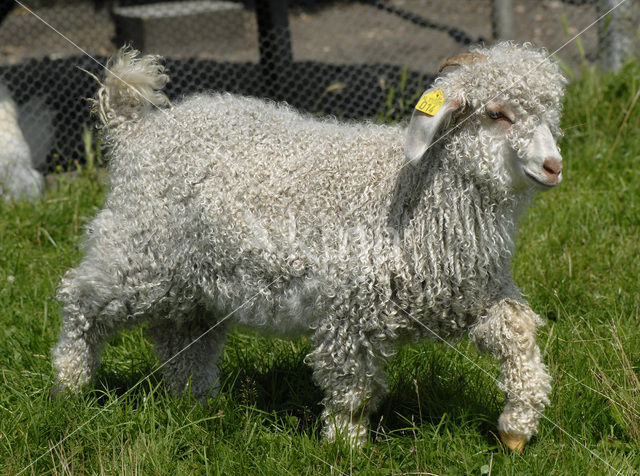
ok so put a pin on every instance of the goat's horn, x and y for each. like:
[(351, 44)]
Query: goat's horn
[(463, 58)]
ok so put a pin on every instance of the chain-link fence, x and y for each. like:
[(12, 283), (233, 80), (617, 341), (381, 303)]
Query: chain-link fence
[(352, 59)]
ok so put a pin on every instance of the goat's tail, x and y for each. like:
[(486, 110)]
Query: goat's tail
[(131, 85)]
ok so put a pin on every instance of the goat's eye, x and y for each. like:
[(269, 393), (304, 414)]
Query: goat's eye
[(498, 115)]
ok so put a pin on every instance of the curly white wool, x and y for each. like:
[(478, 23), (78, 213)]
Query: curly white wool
[(219, 196)]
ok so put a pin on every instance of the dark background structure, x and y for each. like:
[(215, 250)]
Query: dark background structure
[(361, 59)]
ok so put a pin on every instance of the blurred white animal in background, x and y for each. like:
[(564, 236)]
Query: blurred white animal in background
[(26, 135)]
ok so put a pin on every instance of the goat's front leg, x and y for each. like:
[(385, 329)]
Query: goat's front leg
[(508, 332), (348, 364)]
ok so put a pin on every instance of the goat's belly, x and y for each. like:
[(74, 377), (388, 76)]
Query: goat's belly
[(276, 310), (275, 325), (283, 323)]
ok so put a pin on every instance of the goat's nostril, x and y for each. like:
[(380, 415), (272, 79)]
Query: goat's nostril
[(552, 166)]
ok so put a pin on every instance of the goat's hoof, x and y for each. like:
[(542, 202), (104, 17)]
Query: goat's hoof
[(513, 442)]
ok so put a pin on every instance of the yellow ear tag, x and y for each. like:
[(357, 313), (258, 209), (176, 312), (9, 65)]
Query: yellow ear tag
[(430, 103)]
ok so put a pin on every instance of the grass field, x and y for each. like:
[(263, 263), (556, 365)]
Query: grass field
[(577, 261)]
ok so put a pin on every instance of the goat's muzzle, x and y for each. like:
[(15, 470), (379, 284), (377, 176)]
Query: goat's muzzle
[(553, 169)]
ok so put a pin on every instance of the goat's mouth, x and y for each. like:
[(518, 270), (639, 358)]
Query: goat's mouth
[(538, 181)]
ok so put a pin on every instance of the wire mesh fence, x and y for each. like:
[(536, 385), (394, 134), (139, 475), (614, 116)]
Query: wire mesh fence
[(352, 59)]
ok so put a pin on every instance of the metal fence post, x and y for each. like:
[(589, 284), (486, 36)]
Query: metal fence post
[(274, 41), (502, 19), (615, 34), (5, 9)]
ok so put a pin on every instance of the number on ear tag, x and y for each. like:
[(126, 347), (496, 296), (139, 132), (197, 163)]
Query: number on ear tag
[(430, 103)]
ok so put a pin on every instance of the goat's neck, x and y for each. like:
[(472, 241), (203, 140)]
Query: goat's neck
[(449, 221)]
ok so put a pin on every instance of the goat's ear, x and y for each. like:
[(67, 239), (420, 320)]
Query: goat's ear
[(431, 113)]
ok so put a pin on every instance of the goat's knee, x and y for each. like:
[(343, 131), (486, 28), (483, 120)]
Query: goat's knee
[(508, 332)]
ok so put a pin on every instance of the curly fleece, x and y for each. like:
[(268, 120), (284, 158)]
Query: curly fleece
[(311, 226)]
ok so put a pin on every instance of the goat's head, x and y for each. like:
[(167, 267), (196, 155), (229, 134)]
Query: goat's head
[(498, 114)]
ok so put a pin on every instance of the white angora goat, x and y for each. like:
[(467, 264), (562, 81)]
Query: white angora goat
[(362, 236)]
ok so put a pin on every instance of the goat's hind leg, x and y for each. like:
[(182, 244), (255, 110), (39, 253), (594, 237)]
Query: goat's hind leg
[(188, 349), (508, 332), (115, 286), (90, 315)]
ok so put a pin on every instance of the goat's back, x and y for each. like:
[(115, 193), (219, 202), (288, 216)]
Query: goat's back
[(233, 156)]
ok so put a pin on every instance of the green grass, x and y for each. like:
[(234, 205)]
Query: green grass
[(577, 261)]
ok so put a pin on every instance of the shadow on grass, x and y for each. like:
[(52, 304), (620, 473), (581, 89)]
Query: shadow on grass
[(131, 382), (435, 389), (427, 387), (280, 382)]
